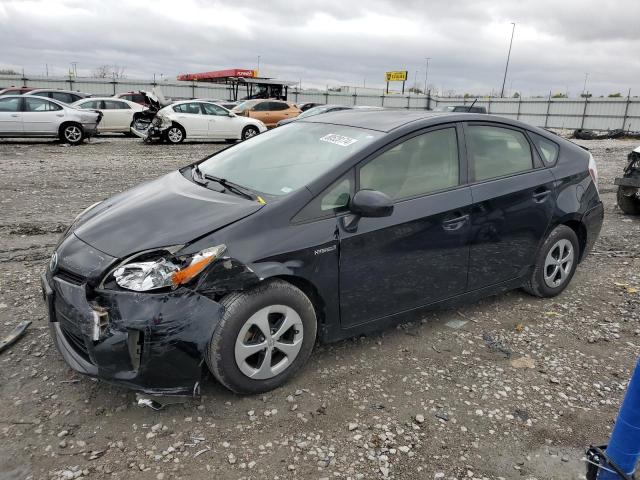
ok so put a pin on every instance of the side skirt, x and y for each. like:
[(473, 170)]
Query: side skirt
[(337, 334)]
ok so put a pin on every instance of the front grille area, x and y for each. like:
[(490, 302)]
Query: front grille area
[(69, 276), (74, 337)]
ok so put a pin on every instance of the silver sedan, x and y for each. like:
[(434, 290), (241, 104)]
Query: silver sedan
[(32, 116)]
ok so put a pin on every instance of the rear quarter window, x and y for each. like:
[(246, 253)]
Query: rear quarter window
[(547, 149)]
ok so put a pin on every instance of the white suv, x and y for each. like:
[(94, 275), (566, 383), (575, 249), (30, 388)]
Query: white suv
[(31, 116)]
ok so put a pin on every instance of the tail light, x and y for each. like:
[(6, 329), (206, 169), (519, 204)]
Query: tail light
[(593, 171)]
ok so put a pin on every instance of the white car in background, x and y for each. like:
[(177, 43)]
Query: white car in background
[(31, 116), (117, 114), (198, 119)]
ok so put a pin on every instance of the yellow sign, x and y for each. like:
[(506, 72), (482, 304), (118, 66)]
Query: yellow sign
[(400, 76)]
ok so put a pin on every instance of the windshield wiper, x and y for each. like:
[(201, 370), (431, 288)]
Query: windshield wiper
[(232, 187)]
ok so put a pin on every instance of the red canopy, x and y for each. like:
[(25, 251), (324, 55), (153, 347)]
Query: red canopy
[(219, 74)]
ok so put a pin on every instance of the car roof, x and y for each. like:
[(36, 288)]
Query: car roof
[(388, 120), (88, 99)]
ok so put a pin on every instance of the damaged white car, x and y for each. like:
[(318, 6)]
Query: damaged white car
[(193, 119)]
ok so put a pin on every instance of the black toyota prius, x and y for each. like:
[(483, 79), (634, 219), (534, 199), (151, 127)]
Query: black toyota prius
[(322, 229)]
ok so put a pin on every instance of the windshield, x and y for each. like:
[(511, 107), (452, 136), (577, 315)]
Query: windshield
[(315, 111), (245, 105), (286, 159)]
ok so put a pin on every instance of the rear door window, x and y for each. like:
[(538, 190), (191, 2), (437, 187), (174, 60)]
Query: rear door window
[(33, 104), (496, 151), (92, 104)]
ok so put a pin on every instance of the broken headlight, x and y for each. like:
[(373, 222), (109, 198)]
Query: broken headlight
[(164, 271)]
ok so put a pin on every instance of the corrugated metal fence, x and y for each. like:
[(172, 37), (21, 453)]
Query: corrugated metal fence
[(590, 113)]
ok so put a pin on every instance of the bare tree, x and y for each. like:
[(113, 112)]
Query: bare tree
[(109, 71)]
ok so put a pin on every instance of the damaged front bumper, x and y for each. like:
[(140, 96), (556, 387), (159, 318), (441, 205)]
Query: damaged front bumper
[(154, 343), (150, 127)]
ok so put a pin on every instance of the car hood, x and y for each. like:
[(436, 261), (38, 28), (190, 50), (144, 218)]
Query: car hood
[(170, 210)]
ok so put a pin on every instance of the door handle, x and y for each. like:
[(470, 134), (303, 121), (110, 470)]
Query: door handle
[(15, 115), (541, 194), (59, 114), (455, 223)]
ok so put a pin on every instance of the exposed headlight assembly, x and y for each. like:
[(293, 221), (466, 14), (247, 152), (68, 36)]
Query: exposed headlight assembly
[(165, 271)]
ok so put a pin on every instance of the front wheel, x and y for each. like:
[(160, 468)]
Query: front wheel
[(264, 337), (629, 200), (175, 134), (72, 133), (555, 264), (249, 132)]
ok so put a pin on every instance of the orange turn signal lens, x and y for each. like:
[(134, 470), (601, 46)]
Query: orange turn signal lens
[(186, 274)]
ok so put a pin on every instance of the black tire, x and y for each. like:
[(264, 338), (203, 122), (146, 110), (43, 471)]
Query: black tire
[(239, 308), (249, 131), (175, 134), (537, 285), (71, 133), (629, 204)]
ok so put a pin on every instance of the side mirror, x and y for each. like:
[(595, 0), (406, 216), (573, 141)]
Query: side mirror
[(371, 203), (231, 114)]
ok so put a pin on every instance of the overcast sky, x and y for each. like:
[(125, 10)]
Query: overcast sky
[(337, 42)]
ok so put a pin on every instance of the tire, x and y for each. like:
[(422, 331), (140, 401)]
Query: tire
[(234, 354), (248, 132), (71, 133), (629, 204), (175, 134), (231, 140), (556, 263)]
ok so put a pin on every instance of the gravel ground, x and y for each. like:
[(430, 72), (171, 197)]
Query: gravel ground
[(510, 387)]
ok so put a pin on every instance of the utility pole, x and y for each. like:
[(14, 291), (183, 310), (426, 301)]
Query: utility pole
[(513, 29), (258, 70), (426, 75)]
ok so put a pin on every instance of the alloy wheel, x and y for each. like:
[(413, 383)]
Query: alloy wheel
[(269, 342), (72, 133), (250, 132), (174, 134), (558, 263)]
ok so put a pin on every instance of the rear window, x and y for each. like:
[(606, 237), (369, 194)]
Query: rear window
[(547, 149)]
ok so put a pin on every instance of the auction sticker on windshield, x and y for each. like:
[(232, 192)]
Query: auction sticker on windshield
[(339, 139)]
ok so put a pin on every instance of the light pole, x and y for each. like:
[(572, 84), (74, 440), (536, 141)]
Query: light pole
[(513, 29), (426, 75), (584, 88), (258, 70)]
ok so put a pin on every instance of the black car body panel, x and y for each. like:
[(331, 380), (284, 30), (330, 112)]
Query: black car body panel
[(361, 274), (168, 211)]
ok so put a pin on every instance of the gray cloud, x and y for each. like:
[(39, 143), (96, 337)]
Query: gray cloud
[(336, 42)]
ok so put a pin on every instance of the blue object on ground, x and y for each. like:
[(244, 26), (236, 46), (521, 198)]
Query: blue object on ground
[(624, 445)]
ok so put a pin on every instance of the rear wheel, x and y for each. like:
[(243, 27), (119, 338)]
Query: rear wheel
[(628, 200), (249, 132), (555, 264), (175, 134), (72, 133), (264, 337)]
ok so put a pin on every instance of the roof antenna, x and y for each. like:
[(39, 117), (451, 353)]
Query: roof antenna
[(472, 104)]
